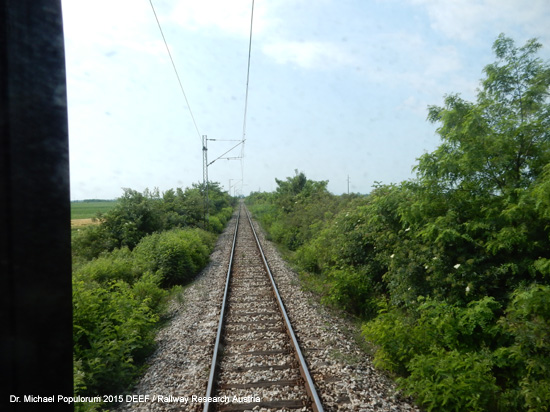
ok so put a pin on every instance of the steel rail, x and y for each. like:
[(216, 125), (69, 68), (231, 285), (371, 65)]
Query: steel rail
[(214, 367), (304, 371)]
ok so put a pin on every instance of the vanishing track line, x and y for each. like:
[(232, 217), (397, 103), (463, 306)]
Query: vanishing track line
[(256, 356)]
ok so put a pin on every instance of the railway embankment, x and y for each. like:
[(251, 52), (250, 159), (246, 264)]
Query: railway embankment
[(178, 371)]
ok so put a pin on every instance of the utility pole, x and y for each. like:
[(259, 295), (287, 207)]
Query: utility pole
[(205, 175)]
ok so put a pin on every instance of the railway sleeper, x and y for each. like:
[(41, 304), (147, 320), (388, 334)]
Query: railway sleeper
[(278, 405), (262, 384)]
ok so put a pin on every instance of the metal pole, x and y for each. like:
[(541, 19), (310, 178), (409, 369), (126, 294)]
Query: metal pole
[(205, 176)]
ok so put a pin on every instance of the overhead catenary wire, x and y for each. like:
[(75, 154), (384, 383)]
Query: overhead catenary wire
[(176, 71), (246, 93), (248, 72), (223, 154), (243, 139)]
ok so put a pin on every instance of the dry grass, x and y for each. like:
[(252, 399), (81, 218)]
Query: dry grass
[(78, 223)]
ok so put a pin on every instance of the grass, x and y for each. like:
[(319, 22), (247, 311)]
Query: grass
[(88, 209)]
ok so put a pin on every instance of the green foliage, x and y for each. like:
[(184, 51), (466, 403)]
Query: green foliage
[(541, 194), (112, 329), (351, 290), (451, 381), (293, 213), (391, 331), (215, 224), (90, 242), (148, 289), (117, 301), (143, 245), (224, 215), (528, 321), (117, 265), (137, 215), (500, 143), (402, 335), (176, 255), (456, 261)]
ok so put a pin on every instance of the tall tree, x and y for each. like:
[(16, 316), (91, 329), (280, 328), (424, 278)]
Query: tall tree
[(501, 142)]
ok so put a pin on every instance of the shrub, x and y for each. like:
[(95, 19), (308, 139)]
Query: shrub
[(176, 255), (451, 381), (215, 224), (392, 333), (402, 335), (225, 215), (117, 265), (91, 241), (112, 328), (353, 290), (528, 321), (148, 290), (119, 268), (448, 250)]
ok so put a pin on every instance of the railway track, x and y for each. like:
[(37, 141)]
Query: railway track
[(256, 357)]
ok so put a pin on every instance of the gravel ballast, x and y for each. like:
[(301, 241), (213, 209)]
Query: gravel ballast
[(178, 370)]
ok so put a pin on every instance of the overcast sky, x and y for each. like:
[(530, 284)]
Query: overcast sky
[(338, 88)]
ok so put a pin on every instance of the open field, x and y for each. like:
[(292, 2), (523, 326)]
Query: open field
[(88, 209), (82, 212), (77, 223)]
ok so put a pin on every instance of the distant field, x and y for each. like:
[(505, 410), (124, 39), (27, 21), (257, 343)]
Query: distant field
[(89, 209)]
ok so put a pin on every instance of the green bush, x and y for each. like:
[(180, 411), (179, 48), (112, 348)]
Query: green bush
[(137, 215), (528, 321), (113, 329), (116, 265), (452, 381), (147, 289), (215, 224), (352, 290), (176, 255), (89, 242), (117, 300), (120, 267), (447, 256), (308, 257), (225, 215), (392, 333), (402, 335)]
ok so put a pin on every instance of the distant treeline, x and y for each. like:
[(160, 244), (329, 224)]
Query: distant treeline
[(93, 200), (450, 272)]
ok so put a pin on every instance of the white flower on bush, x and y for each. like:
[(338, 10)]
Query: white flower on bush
[(467, 289), (392, 255), (457, 266)]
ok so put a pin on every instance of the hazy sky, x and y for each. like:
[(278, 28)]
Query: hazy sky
[(337, 87)]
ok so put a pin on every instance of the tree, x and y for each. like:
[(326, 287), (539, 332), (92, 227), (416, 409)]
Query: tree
[(134, 216), (502, 142), (292, 185)]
